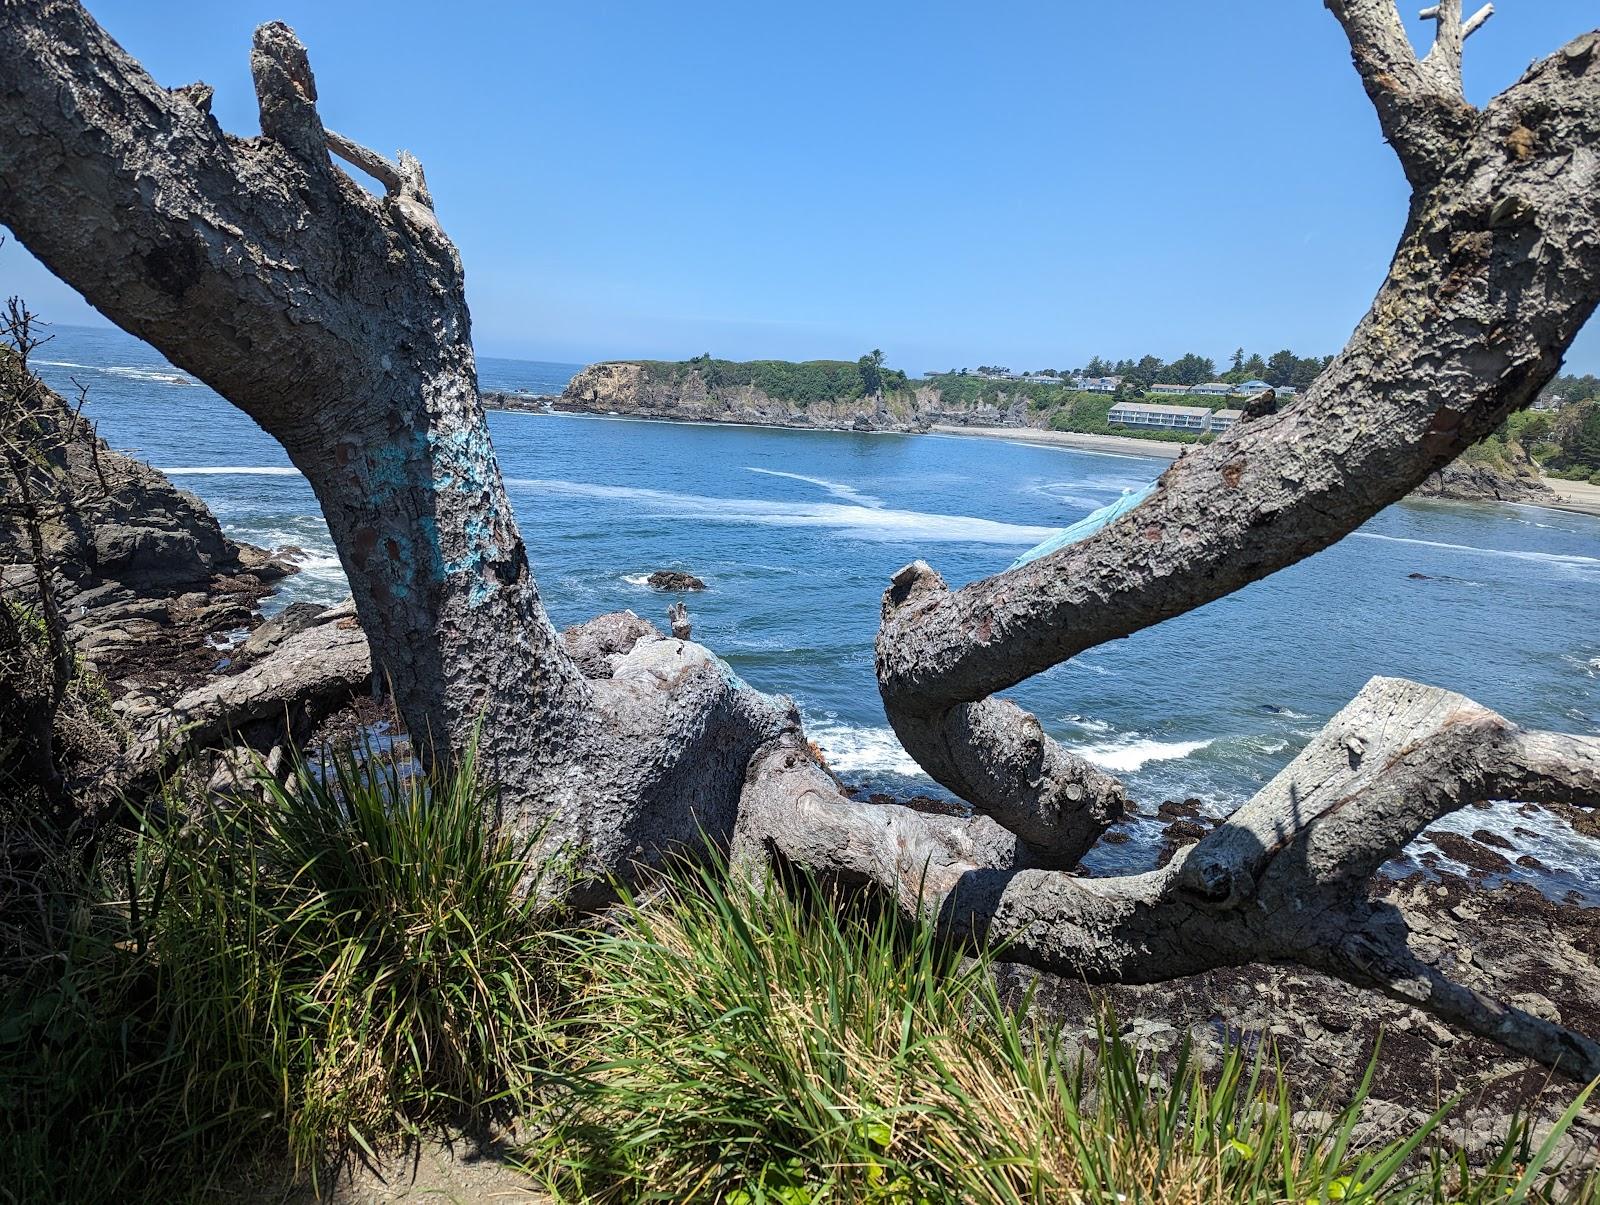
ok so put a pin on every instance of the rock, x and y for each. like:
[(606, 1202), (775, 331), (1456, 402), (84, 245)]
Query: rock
[(674, 580), (678, 617), (1419, 577), (592, 645), (1469, 852), (296, 617), (1516, 480), (122, 526), (1486, 837)]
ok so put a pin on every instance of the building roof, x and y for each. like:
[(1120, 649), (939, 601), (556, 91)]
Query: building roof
[(1158, 408), (1212, 387), (1253, 384), (1234, 415)]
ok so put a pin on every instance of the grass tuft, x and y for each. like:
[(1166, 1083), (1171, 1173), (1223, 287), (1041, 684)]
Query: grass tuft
[(763, 1045), (347, 959)]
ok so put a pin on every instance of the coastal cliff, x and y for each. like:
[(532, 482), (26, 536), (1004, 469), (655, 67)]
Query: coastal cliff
[(1494, 471), (643, 390)]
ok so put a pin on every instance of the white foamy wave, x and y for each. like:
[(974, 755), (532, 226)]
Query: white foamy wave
[(1569, 559), (231, 470), (135, 372), (1098, 727), (1135, 752), (850, 750), (839, 490), (636, 579), (867, 522)]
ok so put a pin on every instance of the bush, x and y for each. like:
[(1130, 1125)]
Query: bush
[(749, 1045), (349, 958)]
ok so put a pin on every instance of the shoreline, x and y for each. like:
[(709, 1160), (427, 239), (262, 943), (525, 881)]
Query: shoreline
[(1573, 497), (1122, 445), (1576, 497)]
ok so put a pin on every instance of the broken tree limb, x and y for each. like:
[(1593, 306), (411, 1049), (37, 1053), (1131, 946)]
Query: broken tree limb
[(374, 164), (1286, 877)]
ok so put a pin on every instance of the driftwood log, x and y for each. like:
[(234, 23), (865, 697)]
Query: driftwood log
[(337, 319)]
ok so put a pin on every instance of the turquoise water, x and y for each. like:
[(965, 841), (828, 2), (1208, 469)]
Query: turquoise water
[(797, 533)]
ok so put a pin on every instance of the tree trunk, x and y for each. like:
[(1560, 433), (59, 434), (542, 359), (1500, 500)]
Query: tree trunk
[(337, 320)]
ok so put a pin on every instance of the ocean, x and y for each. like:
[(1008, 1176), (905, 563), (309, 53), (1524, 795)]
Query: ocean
[(797, 533)]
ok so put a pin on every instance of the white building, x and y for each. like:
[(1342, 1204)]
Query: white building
[(1154, 416), (1098, 384), (1224, 420), (1212, 389)]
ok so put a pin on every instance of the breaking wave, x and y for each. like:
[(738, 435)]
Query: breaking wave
[(1550, 558), (864, 751), (1133, 753), (868, 522), (848, 492)]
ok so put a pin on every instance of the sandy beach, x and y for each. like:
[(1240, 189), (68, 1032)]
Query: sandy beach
[(1577, 496), (1122, 445)]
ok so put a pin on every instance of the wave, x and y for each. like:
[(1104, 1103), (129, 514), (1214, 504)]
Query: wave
[(135, 372), (848, 492), (1549, 558), (868, 522), (231, 470), (1098, 727), (636, 579), (851, 750), (1134, 753)]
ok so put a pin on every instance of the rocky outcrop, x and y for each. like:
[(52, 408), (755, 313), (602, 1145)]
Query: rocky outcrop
[(674, 580), (628, 389), (137, 564), (1512, 478)]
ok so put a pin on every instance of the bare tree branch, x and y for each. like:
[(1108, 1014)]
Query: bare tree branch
[(1285, 878)]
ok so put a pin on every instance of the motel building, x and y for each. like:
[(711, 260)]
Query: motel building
[(1196, 420)]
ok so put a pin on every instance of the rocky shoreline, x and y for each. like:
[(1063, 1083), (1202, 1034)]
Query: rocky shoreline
[(168, 609), (623, 389)]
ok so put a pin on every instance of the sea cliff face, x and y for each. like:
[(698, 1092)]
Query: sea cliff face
[(1511, 477), (627, 389)]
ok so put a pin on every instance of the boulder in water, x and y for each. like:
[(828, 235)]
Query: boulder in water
[(674, 580)]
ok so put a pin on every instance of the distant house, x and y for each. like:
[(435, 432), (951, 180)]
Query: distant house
[(1154, 416), (1098, 384), (1251, 387), (1212, 389), (1549, 401), (1223, 420), (1287, 391), (1168, 389), (1039, 378)]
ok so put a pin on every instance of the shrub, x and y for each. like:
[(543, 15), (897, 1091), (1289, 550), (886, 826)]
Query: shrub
[(345, 959)]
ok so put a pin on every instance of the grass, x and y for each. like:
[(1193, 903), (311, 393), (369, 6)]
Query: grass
[(350, 959), (750, 1045), (353, 959)]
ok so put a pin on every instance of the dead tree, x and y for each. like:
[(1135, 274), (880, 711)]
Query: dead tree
[(337, 320)]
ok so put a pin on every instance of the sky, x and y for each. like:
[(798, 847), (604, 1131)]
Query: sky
[(1017, 182)]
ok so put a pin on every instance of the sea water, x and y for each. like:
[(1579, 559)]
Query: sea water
[(796, 534)]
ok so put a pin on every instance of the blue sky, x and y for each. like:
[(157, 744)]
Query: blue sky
[(1025, 183)]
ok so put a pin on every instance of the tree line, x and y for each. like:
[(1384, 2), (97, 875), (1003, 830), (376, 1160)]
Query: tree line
[(1280, 369)]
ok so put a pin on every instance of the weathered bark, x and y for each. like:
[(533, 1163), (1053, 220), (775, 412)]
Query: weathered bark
[(338, 321), (1498, 271), (1284, 879)]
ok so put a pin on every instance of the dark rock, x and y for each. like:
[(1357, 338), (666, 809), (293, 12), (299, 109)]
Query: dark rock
[(1469, 852), (296, 617), (674, 580), (1419, 577), (1494, 839)]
